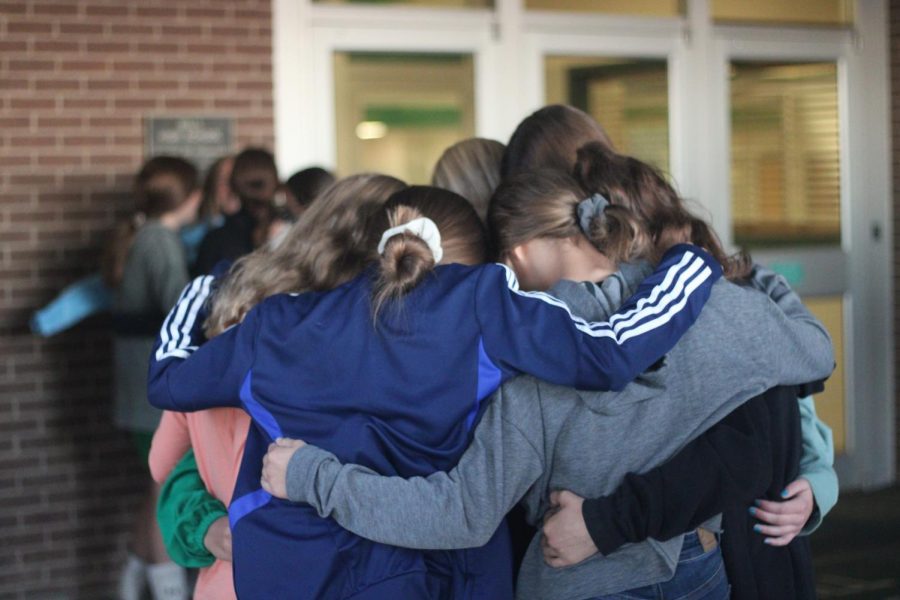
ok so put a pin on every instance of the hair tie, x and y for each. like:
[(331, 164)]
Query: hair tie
[(589, 209), (424, 228)]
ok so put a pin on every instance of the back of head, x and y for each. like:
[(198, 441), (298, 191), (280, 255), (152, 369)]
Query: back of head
[(254, 176), (407, 258), (549, 138), (643, 189), (163, 185), (331, 243), (309, 184), (545, 203), (471, 168)]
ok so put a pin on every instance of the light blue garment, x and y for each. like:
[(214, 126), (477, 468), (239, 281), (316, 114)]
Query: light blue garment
[(85, 297), (817, 463), (90, 296)]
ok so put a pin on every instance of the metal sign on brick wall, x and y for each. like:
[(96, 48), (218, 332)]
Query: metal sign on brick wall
[(201, 140)]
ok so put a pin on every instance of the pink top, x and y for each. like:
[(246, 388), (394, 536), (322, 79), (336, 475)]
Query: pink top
[(217, 436)]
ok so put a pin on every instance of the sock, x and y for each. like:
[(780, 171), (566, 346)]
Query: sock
[(168, 581), (133, 578)]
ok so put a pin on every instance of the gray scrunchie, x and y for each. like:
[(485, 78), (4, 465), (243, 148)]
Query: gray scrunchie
[(590, 209)]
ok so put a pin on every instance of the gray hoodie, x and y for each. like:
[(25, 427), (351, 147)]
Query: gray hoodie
[(535, 437)]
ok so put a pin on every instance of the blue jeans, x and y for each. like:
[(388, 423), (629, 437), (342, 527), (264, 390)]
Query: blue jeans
[(699, 575)]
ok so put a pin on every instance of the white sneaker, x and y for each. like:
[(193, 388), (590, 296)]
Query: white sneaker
[(168, 581), (133, 579)]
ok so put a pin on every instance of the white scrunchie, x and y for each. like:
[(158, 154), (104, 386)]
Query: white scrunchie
[(424, 228)]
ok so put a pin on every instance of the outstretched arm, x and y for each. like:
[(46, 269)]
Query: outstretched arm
[(185, 376), (535, 333), (459, 509)]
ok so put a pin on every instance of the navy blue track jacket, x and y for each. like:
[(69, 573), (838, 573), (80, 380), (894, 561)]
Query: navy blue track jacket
[(401, 398)]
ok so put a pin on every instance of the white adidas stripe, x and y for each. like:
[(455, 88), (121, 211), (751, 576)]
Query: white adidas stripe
[(686, 281), (164, 330), (666, 299), (665, 318), (666, 282), (175, 334)]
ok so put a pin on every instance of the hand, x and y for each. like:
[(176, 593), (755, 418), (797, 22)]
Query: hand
[(275, 464), (566, 540), (218, 539), (783, 520)]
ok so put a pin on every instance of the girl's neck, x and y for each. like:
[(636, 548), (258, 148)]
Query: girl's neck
[(583, 262)]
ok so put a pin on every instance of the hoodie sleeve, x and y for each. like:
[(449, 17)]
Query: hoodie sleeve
[(446, 510)]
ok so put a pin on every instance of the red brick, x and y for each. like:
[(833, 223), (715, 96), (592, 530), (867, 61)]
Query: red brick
[(107, 84), (156, 48), (54, 9), (32, 103), (82, 103), (31, 65), (28, 27), (158, 85), (80, 28), (107, 48), (82, 65), (106, 10), (55, 46), (13, 8), (56, 85), (130, 29)]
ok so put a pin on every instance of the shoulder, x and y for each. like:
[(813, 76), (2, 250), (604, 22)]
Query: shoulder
[(154, 236)]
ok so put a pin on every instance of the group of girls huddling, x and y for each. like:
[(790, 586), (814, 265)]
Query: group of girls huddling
[(389, 394)]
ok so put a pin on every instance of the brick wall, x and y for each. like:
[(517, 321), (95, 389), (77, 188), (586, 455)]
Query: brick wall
[(76, 80)]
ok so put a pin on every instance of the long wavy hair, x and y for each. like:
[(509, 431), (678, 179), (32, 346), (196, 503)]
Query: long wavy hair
[(331, 243), (628, 182)]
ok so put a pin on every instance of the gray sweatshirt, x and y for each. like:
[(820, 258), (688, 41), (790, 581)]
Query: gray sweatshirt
[(535, 437)]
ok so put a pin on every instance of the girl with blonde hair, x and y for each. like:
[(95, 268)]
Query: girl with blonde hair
[(319, 252)]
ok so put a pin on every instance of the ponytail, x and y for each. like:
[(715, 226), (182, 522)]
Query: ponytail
[(659, 210), (405, 260)]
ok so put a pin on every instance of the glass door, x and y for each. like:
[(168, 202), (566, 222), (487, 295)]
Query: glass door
[(798, 110)]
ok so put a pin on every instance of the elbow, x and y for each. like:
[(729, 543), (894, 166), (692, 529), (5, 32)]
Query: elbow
[(158, 393)]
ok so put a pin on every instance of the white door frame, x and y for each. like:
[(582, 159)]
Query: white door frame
[(861, 60)]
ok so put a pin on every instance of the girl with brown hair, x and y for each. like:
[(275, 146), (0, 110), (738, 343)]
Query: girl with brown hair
[(391, 369)]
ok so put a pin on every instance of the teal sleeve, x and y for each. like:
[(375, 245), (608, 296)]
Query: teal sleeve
[(817, 463), (185, 511)]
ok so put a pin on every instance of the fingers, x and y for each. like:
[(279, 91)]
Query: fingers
[(796, 487), (554, 498), (793, 517), (776, 530), (284, 442)]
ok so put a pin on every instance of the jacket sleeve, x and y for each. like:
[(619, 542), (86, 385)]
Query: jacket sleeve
[(185, 510), (459, 509), (184, 377), (535, 333), (729, 464), (817, 463)]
